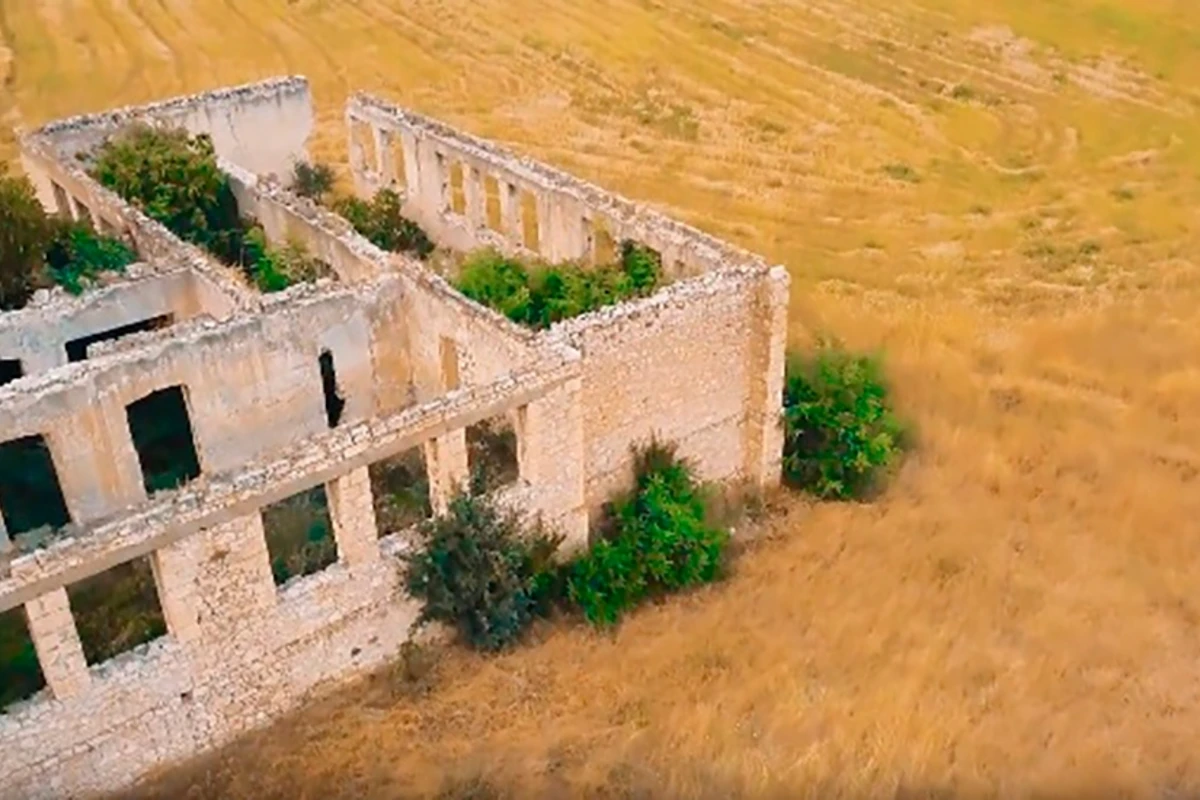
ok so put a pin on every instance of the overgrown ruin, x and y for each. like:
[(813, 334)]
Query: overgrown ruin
[(281, 404)]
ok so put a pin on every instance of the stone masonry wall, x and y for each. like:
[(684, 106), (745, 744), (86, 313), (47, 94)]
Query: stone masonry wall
[(37, 335), (434, 316), (252, 386), (700, 362), (682, 365), (240, 651), (262, 127)]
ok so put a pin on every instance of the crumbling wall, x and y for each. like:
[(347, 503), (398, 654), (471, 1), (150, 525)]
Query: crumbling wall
[(252, 384), (37, 335), (435, 319), (64, 187), (262, 127), (682, 365), (700, 362), (573, 219), (239, 651)]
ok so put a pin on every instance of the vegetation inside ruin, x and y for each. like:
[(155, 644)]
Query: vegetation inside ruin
[(840, 432), (174, 178), (117, 610), (20, 671), (400, 491), (313, 180), (39, 250), (378, 219), (299, 532), (542, 294)]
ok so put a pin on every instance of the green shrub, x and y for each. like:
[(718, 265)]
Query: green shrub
[(661, 541), (379, 220), (25, 233), (498, 282), (546, 294), (480, 571), (77, 255), (274, 269), (174, 178), (641, 266), (840, 431), (312, 180)]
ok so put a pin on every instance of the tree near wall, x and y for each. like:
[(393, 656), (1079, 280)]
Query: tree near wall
[(25, 234), (174, 178)]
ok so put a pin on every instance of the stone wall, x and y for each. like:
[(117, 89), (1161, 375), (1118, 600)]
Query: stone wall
[(63, 186), (699, 362), (683, 365), (37, 335), (239, 651), (434, 315), (262, 127), (252, 385)]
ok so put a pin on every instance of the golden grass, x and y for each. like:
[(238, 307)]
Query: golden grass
[(1001, 195)]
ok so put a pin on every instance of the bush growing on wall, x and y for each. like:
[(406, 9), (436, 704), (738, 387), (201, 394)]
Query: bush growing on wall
[(174, 178), (661, 541), (480, 571), (541, 296), (24, 235), (77, 255), (313, 181), (37, 250), (274, 269), (840, 430), (380, 221)]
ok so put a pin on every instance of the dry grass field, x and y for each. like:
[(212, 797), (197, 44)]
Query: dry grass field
[(1004, 196)]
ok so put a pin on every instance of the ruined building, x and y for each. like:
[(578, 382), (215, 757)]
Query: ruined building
[(304, 390)]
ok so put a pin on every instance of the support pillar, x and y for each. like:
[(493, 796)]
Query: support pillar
[(383, 157), (473, 192), (95, 461), (764, 428), (56, 640), (551, 455), (358, 156), (547, 246), (434, 194), (382, 176), (511, 224), (352, 508), (448, 468), (174, 569), (412, 165)]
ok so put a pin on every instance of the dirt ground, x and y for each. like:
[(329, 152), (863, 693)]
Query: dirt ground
[(1004, 197)]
